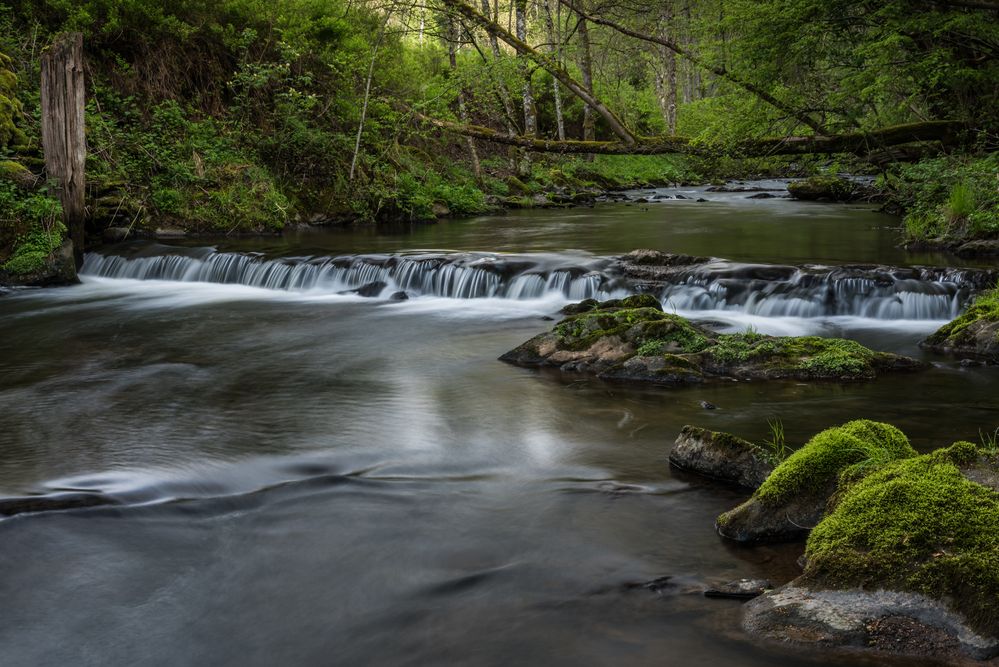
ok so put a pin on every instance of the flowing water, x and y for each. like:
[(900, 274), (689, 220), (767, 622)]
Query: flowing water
[(284, 471)]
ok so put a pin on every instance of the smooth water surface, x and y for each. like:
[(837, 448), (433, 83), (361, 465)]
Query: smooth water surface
[(306, 477)]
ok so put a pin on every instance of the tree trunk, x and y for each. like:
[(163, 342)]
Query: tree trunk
[(948, 133), (63, 139), (613, 122), (452, 53), (530, 112), (497, 54), (556, 46), (586, 67), (367, 98), (665, 70)]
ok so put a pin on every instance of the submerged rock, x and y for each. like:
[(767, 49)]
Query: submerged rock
[(907, 562), (69, 500), (979, 248), (720, 456), (975, 333), (633, 340), (740, 589), (794, 498), (370, 290)]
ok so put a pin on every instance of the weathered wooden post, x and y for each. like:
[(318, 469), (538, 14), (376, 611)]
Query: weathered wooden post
[(63, 138)]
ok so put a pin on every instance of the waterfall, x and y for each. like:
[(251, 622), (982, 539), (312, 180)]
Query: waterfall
[(819, 292), (875, 292), (457, 276)]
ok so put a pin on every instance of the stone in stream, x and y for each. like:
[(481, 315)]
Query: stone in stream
[(740, 589), (978, 248), (399, 296), (720, 456), (906, 563), (53, 502), (370, 290), (633, 340), (795, 496), (975, 333)]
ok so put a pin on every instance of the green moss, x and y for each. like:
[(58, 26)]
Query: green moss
[(916, 525), (639, 321), (834, 355), (824, 186), (34, 248), (641, 301), (803, 355), (985, 307), (814, 467)]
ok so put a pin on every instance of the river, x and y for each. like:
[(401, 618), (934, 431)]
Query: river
[(300, 476)]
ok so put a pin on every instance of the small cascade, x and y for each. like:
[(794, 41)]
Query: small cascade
[(882, 293), (456, 276)]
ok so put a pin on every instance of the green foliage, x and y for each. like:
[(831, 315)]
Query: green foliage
[(624, 171), (952, 197), (775, 450), (990, 442), (31, 224), (10, 106), (916, 525), (816, 466)]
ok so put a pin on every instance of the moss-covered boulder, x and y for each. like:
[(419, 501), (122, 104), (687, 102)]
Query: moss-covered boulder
[(632, 339), (720, 456), (40, 266), (827, 188), (794, 498), (974, 334), (907, 562)]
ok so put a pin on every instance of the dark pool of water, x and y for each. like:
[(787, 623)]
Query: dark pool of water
[(321, 479)]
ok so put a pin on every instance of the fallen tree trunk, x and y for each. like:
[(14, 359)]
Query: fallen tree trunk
[(858, 143)]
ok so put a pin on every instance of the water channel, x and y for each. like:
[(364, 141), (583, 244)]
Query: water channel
[(299, 475)]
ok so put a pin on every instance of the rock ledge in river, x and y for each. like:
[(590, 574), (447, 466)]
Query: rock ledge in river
[(975, 333), (888, 621), (633, 340), (720, 456)]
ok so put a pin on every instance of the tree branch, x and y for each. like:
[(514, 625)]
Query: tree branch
[(616, 125), (696, 60)]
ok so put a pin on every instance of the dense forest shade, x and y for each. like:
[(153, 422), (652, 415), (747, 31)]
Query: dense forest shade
[(227, 116)]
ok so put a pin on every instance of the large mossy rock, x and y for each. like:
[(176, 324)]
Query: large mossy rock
[(632, 339), (827, 188), (794, 498), (907, 562), (39, 269), (975, 333), (720, 456)]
